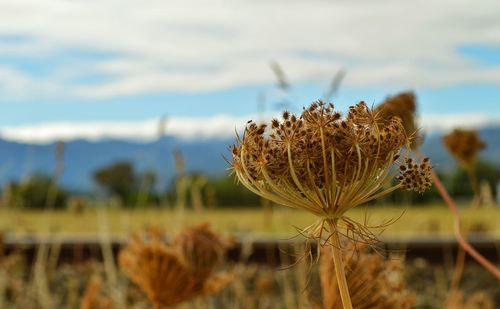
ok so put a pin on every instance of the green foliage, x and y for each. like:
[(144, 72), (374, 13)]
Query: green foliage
[(228, 193), (121, 180), (118, 179), (460, 185), (38, 192)]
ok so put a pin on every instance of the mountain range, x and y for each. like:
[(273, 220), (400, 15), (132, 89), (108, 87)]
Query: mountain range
[(81, 157)]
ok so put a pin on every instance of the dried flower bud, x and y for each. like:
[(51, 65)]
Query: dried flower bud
[(464, 145)]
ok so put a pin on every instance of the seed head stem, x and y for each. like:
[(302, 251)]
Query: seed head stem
[(339, 266), (495, 271)]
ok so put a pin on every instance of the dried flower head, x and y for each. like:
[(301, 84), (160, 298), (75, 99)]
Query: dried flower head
[(464, 145), (415, 176), (373, 281), (402, 105), (164, 273), (323, 163), (201, 249)]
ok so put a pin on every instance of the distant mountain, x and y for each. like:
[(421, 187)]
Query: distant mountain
[(442, 160), (82, 158)]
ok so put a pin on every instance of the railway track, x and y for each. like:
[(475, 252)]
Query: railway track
[(74, 250)]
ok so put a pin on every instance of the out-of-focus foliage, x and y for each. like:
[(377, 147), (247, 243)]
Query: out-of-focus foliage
[(485, 171), (118, 179), (134, 189), (228, 193), (38, 191), (122, 181)]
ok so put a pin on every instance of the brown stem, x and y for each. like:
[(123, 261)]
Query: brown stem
[(459, 269), (339, 267), (456, 229), (460, 260)]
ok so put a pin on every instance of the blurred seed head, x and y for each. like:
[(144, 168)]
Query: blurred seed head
[(373, 281), (200, 248), (172, 274), (404, 106), (464, 145)]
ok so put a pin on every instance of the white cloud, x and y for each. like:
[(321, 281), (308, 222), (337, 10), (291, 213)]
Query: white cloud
[(447, 122), (196, 45), (183, 127), (222, 126)]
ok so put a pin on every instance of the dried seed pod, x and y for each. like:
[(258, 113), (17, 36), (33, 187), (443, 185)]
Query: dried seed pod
[(168, 276), (324, 163), (201, 249), (464, 145), (404, 106)]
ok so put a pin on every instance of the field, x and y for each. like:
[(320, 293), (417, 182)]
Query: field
[(412, 221)]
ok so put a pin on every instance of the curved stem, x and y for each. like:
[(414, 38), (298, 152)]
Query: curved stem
[(456, 229), (339, 267), (459, 269)]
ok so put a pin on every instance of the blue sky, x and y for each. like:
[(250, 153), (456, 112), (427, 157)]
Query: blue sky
[(460, 99), (125, 61)]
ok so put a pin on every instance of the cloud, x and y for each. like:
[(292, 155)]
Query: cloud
[(183, 127), (444, 123), (199, 45), (193, 128)]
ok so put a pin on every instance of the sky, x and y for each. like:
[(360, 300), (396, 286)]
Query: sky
[(93, 69)]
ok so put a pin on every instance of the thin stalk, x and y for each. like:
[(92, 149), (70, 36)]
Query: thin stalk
[(456, 229), (339, 267), (460, 260), (459, 269)]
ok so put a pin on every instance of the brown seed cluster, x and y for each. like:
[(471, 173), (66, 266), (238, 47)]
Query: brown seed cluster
[(171, 274), (321, 161), (404, 106), (464, 145), (311, 143), (414, 176), (373, 282), (201, 249)]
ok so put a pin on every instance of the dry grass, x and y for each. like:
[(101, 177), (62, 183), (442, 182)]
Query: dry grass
[(414, 221)]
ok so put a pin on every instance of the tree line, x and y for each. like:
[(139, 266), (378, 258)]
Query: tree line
[(130, 188)]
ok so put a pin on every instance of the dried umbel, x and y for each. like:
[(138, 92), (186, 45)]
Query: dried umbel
[(324, 163), (464, 145), (404, 106), (200, 248), (165, 274), (373, 281)]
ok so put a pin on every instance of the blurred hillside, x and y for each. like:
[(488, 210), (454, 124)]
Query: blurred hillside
[(82, 158)]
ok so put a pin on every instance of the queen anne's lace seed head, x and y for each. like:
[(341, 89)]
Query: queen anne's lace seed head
[(173, 274), (415, 176), (404, 106), (322, 162), (464, 145)]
